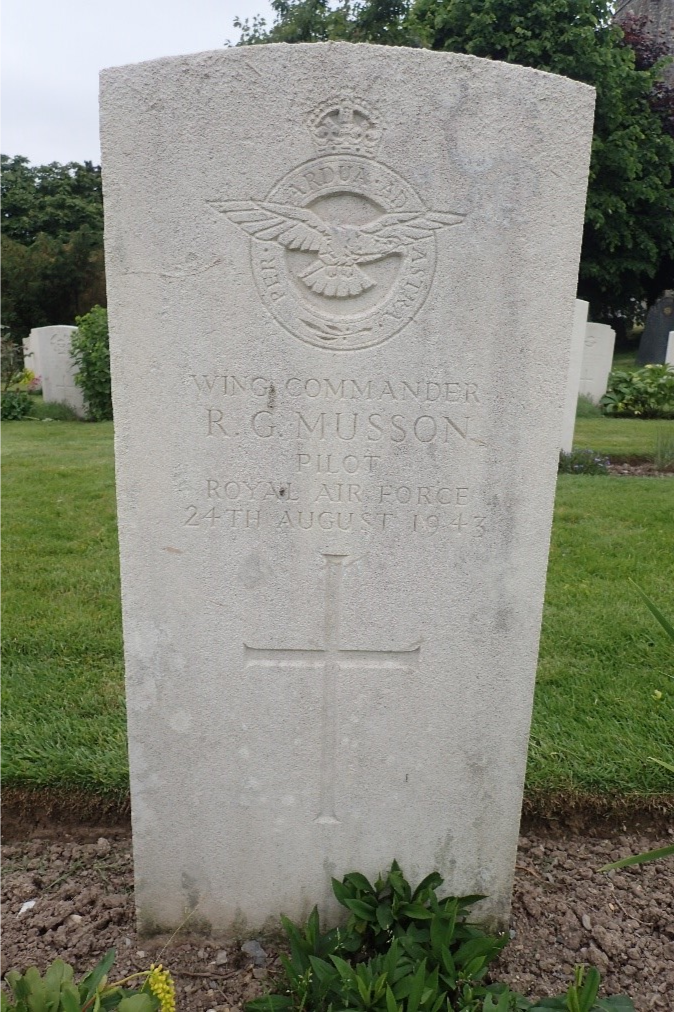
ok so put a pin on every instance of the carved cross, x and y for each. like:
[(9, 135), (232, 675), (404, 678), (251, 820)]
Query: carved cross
[(331, 659)]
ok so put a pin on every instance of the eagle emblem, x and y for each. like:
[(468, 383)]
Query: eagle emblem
[(342, 249)]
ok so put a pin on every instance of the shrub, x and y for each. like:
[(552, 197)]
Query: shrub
[(91, 352), (15, 405), (582, 462), (405, 950), (646, 393), (53, 411), (150, 991)]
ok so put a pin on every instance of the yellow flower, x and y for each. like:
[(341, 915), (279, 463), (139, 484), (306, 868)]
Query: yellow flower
[(657, 694), (161, 985)]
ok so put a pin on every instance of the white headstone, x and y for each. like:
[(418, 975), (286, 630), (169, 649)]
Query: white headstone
[(573, 378), (337, 419), (597, 361), (49, 348), (669, 357)]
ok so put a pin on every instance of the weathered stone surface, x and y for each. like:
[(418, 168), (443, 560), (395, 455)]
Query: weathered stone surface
[(573, 376), (341, 282), (47, 353), (653, 343), (597, 361)]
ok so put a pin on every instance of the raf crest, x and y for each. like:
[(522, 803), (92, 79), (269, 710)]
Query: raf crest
[(345, 126), (343, 251)]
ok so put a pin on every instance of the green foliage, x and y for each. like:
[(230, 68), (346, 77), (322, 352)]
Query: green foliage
[(582, 462), (51, 411), (52, 242), (405, 950), (628, 242), (91, 351), (376, 21), (14, 375), (14, 405), (645, 393), (57, 991), (52, 199)]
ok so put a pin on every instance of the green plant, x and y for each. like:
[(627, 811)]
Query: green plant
[(663, 455), (645, 393), (405, 950), (14, 401), (91, 352), (582, 462), (586, 408), (14, 405), (53, 411), (57, 991), (52, 242)]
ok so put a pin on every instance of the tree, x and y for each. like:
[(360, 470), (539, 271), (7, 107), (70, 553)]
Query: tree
[(628, 241), (377, 21), (52, 243)]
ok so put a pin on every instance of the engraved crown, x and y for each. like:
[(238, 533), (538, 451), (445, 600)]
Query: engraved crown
[(344, 125)]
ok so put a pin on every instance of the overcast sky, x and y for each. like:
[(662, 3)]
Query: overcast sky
[(52, 51)]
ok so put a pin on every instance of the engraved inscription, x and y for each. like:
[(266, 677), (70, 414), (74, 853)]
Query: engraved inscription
[(344, 433), (60, 343), (344, 389), (342, 248), (341, 506), (331, 659)]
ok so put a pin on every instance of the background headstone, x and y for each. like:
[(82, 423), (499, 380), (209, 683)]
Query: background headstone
[(50, 347), (669, 359), (340, 280), (597, 361), (580, 312), (659, 322)]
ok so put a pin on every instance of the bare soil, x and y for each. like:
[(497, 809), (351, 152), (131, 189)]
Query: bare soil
[(564, 912), (638, 469)]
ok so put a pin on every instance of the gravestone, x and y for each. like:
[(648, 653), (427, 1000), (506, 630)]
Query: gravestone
[(659, 322), (597, 361), (669, 358), (340, 282), (49, 357), (573, 378)]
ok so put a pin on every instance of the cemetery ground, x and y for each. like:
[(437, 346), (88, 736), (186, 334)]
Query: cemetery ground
[(603, 707)]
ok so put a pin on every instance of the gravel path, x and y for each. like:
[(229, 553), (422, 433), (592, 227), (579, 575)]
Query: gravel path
[(564, 912)]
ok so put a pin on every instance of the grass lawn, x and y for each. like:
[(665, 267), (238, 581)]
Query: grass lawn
[(626, 361), (62, 640), (620, 437), (603, 658)]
